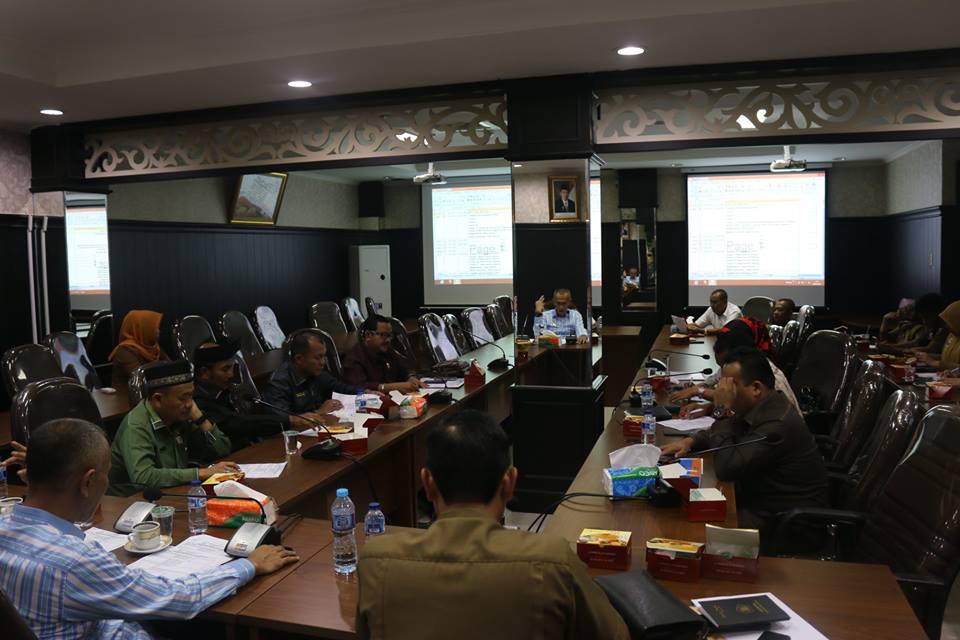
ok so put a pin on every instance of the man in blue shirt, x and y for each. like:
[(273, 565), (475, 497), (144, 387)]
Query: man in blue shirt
[(66, 587), (561, 320)]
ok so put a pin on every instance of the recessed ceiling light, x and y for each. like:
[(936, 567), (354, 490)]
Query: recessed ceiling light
[(840, 159), (630, 51), (299, 84), (517, 165), (676, 164), (51, 112)]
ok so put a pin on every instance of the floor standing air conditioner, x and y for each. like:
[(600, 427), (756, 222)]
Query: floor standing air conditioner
[(370, 275)]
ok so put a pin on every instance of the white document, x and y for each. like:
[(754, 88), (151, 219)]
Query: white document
[(672, 471), (686, 426), (197, 554), (687, 377), (358, 419), (397, 397), (796, 628), (349, 402), (436, 383), (263, 470), (107, 539)]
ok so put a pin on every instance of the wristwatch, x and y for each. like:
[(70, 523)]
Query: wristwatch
[(199, 421), (719, 412)]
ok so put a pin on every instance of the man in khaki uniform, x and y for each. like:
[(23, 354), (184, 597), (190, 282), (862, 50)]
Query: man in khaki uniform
[(468, 577)]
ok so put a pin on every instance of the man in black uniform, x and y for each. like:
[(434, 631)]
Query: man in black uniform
[(217, 396)]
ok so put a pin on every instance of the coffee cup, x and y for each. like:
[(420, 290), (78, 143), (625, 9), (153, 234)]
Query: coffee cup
[(145, 536)]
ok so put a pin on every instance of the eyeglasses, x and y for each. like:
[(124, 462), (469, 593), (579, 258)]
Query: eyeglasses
[(386, 335)]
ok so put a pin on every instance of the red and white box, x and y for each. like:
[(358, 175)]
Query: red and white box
[(706, 505), (605, 549), (731, 554), (674, 559)]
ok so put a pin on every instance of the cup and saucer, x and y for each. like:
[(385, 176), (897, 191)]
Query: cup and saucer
[(146, 539)]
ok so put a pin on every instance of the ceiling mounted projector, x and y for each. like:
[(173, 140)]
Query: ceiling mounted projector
[(430, 177), (788, 164)]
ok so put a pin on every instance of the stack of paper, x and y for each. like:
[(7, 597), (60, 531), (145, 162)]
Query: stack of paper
[(197, 554), (265, 470), (685, 426), (107, 539)]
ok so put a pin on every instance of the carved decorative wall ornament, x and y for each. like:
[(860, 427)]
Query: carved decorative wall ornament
[(903, 101), (393, 131)]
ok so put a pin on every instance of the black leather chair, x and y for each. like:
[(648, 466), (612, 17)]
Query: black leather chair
[(823, 374), (46, 400), (100, 339), (789, 347), (402, 344), (333, 358), (267, 327), (12, 622), (499, 325), (326, 317), (460, 339), (805, 316), (351, 313), (372, 306), (439, 343), (236, 326), (189, 332), (136, 387), (475, 321), (912, 526), (758, 308), (72, 356), (895, 429), (858, 417), (28, 363), (505, 303), (776, 339)]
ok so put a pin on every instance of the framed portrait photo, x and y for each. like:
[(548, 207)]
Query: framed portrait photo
[(258, 198), (564, 198)]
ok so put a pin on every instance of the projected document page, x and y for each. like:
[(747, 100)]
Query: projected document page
[(472, 235), (88, 255), (756, 234)]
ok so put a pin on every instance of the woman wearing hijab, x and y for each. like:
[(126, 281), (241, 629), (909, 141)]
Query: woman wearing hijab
[(138, 345), (742, 332), (949, 355)]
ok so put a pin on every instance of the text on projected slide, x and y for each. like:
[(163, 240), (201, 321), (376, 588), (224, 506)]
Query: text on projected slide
[(88, 254), (756, 229), (472, 235)]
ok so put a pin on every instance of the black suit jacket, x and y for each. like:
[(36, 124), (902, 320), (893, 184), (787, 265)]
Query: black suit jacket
[(558, 206)]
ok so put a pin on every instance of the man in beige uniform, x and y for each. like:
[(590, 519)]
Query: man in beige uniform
[(468, 577)]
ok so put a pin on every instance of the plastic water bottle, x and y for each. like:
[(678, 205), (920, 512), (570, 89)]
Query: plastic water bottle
[(343, 517), (3, 481), (360, 402), (646, 396), (649, 428), (197, 508), (375, 522)]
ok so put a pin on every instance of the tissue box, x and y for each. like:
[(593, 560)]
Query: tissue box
[(475, 375), (674, 559), (549, 341), (353, 442), (605, 549), (630, 481), (731, 554), (233, 513), (679, 338), (706, 505), (683, 475), (413, 407)]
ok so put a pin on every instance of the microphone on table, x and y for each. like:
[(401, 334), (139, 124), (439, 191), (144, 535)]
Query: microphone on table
[(682, 353), (768, 439), (329, 449), (705, 372), (500, 364)]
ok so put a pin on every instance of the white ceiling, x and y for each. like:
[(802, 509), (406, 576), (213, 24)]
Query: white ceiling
[(112, 58)]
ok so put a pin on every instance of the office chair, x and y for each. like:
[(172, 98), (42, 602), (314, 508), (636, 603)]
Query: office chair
[(351, 313), (438, 341), (136, 386), (475, 321), (100, 340), (373, 307), (858, 417), (460, 339), (758, 308), (334, 366), (789, 347), (72, 356), (912, 525), (235, 326), (40, 402), (402, 345), (822, 376), (189, 332), (805, 316), (28, 363), (506, 309), (326, 317), (11, 620), (776, 339), (499, 325), (268, 329)]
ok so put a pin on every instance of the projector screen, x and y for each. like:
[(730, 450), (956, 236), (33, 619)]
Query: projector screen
[(88, 257), (756, 234), (467, 242)]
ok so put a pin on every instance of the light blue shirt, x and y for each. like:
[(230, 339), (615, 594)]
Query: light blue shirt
[(568, 325), (66, 588)]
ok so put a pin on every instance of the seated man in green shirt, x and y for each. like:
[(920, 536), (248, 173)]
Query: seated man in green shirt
[(159, 436)]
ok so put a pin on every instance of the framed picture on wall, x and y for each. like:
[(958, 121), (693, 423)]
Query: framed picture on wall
[(564, 198), (258, 198)]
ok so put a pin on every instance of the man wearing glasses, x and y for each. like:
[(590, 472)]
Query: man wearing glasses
[(373, 364)]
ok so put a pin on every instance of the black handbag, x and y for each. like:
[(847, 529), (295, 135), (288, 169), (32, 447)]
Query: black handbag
[(650, 611)]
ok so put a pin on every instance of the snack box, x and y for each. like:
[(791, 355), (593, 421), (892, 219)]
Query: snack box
[(353, 442), (605, 549), (679, 338), (632, 427), (706, 505), (731, 554), (669, 559), (475, 375), (630, 481)]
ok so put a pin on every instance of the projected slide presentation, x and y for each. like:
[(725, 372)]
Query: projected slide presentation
[(472, 235), (757, 234), (88, 254)]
